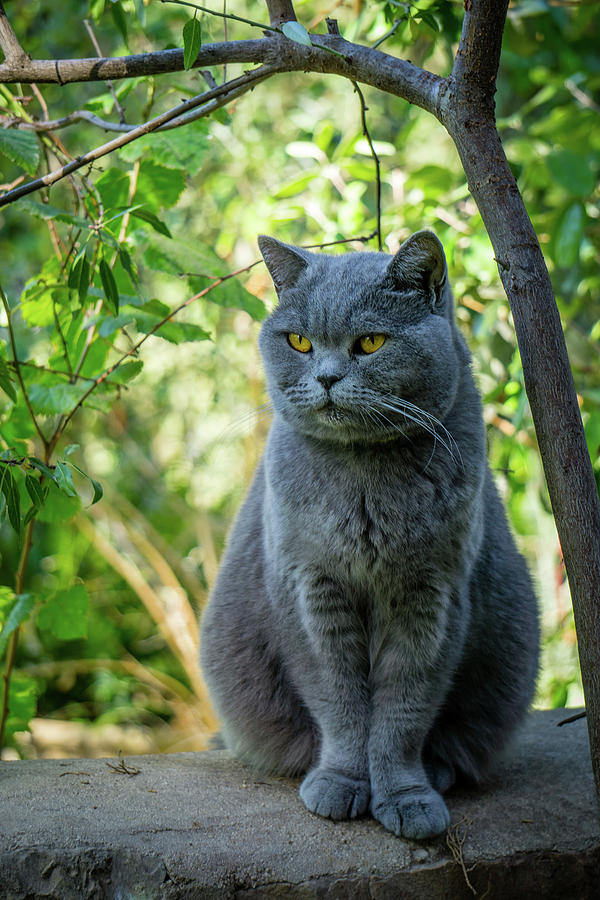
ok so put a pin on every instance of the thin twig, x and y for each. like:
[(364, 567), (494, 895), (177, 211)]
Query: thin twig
[(109, 83), (208, 102), (365, 130), (581, 96), (456, 836), (388, 34), (122, 768), (224, 15), (225, 36), (364, 239), (6, 676), (67, 375), (569, 719), (57, 325), (18, 370), (14, 638), (40, 100)]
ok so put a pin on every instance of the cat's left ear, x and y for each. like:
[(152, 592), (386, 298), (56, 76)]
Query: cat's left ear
[(420, 262), (284, 262)]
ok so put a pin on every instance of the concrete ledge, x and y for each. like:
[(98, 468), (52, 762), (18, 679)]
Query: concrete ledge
[(203, 826)]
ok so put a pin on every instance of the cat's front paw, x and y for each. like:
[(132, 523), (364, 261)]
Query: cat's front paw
[(334, 795), (414, 814)]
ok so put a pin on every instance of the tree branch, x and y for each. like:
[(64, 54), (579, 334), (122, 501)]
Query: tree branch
[(207, 102), (159, 62), (109, 83), (478, 55), (280, 11), (359, 63), (9, 42), (466, 109), (367, 135)]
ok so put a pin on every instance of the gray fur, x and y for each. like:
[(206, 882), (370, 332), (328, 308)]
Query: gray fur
[(373, 626)]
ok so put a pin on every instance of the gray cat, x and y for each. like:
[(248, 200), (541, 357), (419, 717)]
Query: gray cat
[(372, 623)]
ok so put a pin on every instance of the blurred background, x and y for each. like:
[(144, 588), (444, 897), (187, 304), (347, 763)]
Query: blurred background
[(176, 449)]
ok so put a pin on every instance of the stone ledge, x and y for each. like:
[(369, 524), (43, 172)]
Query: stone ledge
[(195, 826)]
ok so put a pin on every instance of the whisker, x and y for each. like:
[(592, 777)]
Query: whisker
[(378, 417), (432, 418), (413, 413), (422, 421), (252, 416)]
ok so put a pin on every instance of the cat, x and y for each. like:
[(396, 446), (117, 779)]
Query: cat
[(372, 627)]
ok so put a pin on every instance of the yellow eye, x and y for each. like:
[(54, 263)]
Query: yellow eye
[(369, 343), (299, 342)]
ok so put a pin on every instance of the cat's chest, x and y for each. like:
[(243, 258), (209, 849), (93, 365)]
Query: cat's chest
[(364, 511)]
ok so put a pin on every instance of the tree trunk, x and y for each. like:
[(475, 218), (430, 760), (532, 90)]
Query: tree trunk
[(466, 108)]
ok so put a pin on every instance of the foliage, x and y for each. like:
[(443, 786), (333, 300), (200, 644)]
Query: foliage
[(111, 387)]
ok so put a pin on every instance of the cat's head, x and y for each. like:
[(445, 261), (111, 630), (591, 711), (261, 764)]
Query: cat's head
[(362, 347)]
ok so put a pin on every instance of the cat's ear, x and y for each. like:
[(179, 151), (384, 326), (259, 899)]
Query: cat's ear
[(284, 262), (420, 262)]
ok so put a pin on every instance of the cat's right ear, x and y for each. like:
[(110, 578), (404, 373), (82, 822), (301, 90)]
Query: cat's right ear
[(284, 262), (420, 261)]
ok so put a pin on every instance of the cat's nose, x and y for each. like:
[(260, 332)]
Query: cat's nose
[(327, 379)]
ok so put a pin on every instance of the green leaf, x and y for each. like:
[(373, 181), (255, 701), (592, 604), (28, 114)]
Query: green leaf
[(38, 310), (79, 277), (429, 19), (7, 601), (41, 467), (109, 325), (174, 332), (192, 41), (296, 185), (42, 293), (108, 239), (59, 507), (572, 171), (65, 614), (98, 490), (128, 264), (120, 20), (180, 148), (46, 212), (114, 185), (184, 258), (569, 236), (9, 488), (55, 399), (126, 371), (6, 381), (96, 9), (22, 704), (38, 492), (64, 478), (21, 147), (19, 612), (152, 220), (200, 264), (111, 291), (159, 186), (297, 33)]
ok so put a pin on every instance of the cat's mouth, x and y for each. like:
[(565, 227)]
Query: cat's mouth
[(333, 413)]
